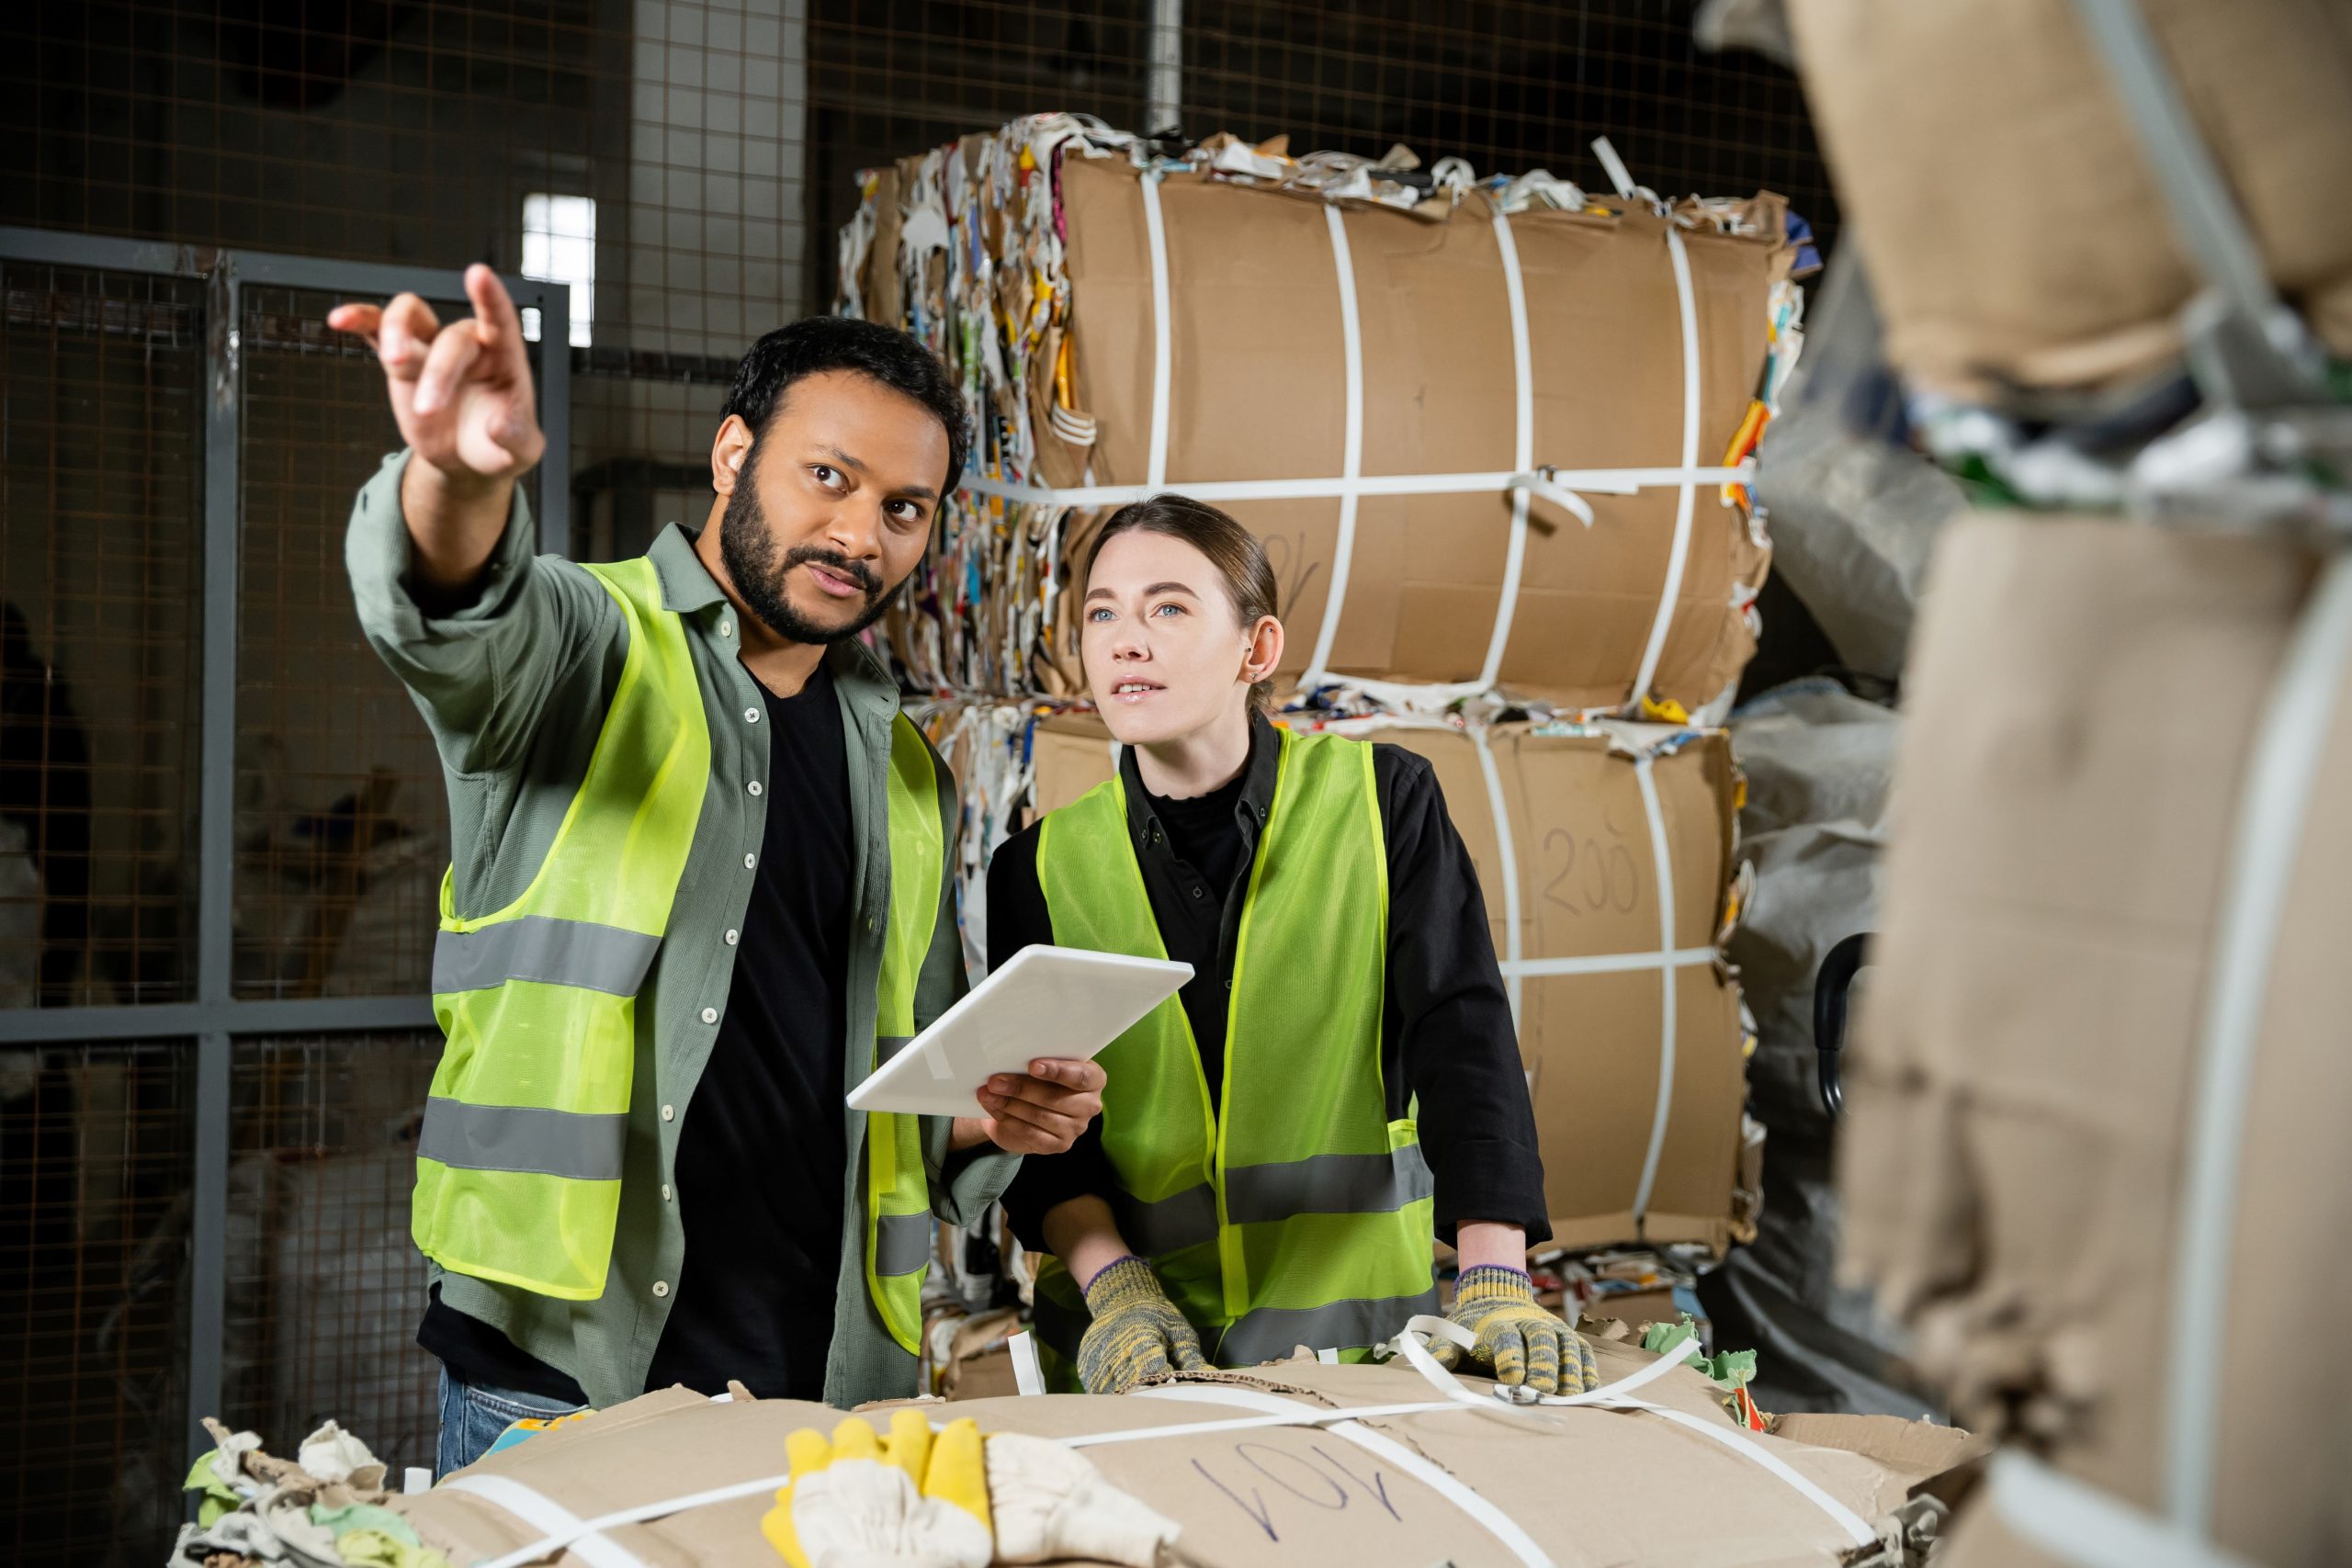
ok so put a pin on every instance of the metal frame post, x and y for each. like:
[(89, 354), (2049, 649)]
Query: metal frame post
[(216, 843), (555, 418), (1164, 76)]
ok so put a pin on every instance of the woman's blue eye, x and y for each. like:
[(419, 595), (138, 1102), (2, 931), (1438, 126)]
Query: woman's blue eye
[(1098, 614), (1157, 608)]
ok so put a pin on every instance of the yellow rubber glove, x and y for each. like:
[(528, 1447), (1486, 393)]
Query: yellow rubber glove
[(1138, 1335), (914, 1496), (949, 1501), (1519, 1342)]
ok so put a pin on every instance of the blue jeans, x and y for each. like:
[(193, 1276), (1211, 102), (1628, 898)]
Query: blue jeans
[(472, 1419)]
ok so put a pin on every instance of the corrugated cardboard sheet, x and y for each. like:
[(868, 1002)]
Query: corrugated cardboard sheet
[(2085, 694), (1590, 1487), (2014, 232), (1585, 868)]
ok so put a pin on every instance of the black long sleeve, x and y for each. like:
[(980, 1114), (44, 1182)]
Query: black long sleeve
[(1446, 1030), (1447, 1020)]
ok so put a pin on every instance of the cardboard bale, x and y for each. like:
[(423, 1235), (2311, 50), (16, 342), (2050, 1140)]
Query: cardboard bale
[(1585, 867), (2015, 232), (2085, 696), (1590, 1486), (1258, 389)]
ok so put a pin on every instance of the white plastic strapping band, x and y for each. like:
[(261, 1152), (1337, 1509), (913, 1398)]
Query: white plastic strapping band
[(1678, 556), (1028, 1377), (1496, 1522), (1162, 335), (563, 1527), (2272, 807), (1350, 452), (2076, 1522), (1663, 861), (1610, 963), (1522, 452), (1614, 166), (1618, 1396), (1601, 481), (1509, 853)]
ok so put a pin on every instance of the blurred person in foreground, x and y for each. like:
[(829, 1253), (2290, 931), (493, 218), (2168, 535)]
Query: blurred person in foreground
[(700, 886), (1338, 1084)]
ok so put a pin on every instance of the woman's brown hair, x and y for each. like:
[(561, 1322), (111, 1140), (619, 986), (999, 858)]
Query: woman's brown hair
[(1234, 552)]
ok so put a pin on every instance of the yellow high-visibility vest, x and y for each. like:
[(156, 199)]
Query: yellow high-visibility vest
[(518, 1169)]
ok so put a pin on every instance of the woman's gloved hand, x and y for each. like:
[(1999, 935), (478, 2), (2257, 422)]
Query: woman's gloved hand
[(1138, 1335), (1519, 1342)]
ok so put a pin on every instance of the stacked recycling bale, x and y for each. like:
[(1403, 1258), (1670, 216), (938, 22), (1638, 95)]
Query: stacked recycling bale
[(1498, 359), (2093, 1145), (1431, 335)]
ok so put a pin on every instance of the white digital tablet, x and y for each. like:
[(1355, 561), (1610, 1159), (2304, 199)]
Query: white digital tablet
[(1047, 1001)]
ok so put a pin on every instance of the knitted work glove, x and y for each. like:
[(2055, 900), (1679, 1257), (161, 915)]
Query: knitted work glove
[(1518, 1339), (1138, 1335), (913, 1498)]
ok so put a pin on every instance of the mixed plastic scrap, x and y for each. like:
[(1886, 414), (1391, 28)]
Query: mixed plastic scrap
[(323, 1510)]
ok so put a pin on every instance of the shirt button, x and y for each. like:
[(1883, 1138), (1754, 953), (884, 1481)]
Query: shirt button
[(710, 1015), (726, 628), (1196, 892), (753, 786), (661, 1287), (733, 937), (751, 860), (669, 1113), (750, 715), (665, 1193)]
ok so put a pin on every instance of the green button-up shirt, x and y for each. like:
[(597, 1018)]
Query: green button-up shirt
[(514, 688)]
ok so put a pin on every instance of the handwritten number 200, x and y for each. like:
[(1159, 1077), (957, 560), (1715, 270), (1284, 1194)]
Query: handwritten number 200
[(1610, 880)]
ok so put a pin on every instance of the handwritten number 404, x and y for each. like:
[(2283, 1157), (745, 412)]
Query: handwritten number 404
[(1326, 1485)]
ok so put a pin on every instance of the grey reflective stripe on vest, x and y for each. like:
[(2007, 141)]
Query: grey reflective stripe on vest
[(542, 948), (902, 1242), (1171, 1224), (1327, 1184), (889, 1046), (522, 1138), (1269, 1334)]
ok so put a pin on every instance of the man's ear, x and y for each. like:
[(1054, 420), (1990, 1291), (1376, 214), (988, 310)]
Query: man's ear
[(731, 454)]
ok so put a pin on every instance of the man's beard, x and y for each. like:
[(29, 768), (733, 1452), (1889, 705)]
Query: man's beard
[(759, 573)]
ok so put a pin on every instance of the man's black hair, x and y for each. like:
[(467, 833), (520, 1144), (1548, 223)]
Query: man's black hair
[(818, 344)]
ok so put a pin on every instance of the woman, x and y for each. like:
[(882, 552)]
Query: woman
[(1257, 1179)]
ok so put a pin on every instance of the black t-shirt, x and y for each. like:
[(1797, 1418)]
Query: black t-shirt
[(764, 1151)]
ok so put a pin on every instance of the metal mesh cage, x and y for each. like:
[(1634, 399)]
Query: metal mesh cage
[(342, 821), (324, 1287), (101, 474)]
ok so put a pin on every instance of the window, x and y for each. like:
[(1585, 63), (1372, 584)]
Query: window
[(559, 246)]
